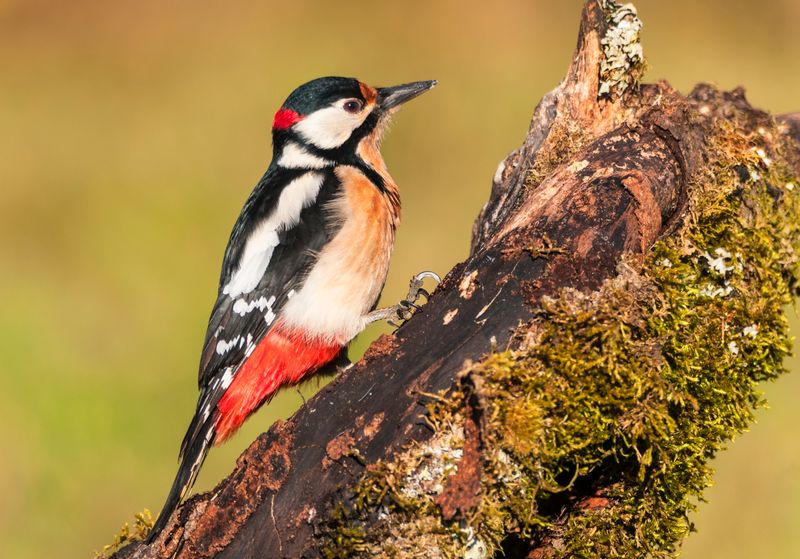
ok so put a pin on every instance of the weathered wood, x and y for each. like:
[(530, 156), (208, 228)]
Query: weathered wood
[(598, 177)]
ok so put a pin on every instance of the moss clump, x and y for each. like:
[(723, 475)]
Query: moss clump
[(602, 424), (142, 524), (563, 141)]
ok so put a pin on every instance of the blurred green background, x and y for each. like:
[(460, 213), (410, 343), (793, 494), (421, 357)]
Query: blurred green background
[(132, 131)]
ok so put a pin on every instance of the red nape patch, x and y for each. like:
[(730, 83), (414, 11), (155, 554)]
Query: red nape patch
[(285, 118), (282, 358)]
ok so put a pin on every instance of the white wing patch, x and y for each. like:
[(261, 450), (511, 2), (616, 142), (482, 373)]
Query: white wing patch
[(224, 346), (297, 195), (243, 307), (294, 156), (227, 378), (224, 381)]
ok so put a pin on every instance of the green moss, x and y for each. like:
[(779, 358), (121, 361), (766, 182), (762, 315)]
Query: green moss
[(142, 524), (623, 395)]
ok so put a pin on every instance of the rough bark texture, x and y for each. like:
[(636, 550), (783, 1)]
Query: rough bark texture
[(602, 175)]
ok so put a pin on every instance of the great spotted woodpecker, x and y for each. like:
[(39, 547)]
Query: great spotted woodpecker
[(305, 263)]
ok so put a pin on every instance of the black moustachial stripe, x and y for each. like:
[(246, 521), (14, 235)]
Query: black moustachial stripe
[(345, 154)]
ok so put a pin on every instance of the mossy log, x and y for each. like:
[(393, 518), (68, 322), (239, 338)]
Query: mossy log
[(563, 391)]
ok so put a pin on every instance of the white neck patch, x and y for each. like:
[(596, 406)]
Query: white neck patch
[(294, 156), (258, 249)]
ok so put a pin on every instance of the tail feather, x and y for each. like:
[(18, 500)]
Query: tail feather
[(231, 396), (193, 454)]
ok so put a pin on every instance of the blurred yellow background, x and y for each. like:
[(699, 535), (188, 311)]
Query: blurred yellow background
[(132, 131)]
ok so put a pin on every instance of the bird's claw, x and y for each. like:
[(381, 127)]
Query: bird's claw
[(403, 311), (409, 305), (415, 286), (406, 308)]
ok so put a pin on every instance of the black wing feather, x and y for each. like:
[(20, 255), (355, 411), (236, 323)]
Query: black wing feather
[(291, 259)]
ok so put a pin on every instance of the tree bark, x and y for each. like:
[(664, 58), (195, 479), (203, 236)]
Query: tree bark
[(603, 175)]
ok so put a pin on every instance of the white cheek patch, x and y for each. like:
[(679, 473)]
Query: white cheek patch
[(294, 156), (258, 249), (330, 127)]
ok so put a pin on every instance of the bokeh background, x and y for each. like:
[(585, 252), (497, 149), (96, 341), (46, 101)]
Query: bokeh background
[(132, 131)]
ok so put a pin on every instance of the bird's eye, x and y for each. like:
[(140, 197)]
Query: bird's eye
[(353, 106)]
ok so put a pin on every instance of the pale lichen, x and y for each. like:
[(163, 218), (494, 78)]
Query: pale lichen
[(622, 64)]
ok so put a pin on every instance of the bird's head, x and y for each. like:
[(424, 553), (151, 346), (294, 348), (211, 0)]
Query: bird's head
[(329, 117)]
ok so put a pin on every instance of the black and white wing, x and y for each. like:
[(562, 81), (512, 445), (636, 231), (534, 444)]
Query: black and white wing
[(275, 241)]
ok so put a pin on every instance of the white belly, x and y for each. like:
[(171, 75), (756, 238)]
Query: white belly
[(346, 281)]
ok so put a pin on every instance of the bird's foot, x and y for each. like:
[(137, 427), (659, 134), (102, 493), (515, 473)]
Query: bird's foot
[(406, 308)]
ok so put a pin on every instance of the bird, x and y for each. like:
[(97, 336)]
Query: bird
[(305, 263)]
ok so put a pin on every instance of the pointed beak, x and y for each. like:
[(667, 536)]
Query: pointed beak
[(390, 97)]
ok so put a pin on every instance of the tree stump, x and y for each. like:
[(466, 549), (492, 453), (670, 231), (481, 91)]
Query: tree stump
[(564, 389)]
